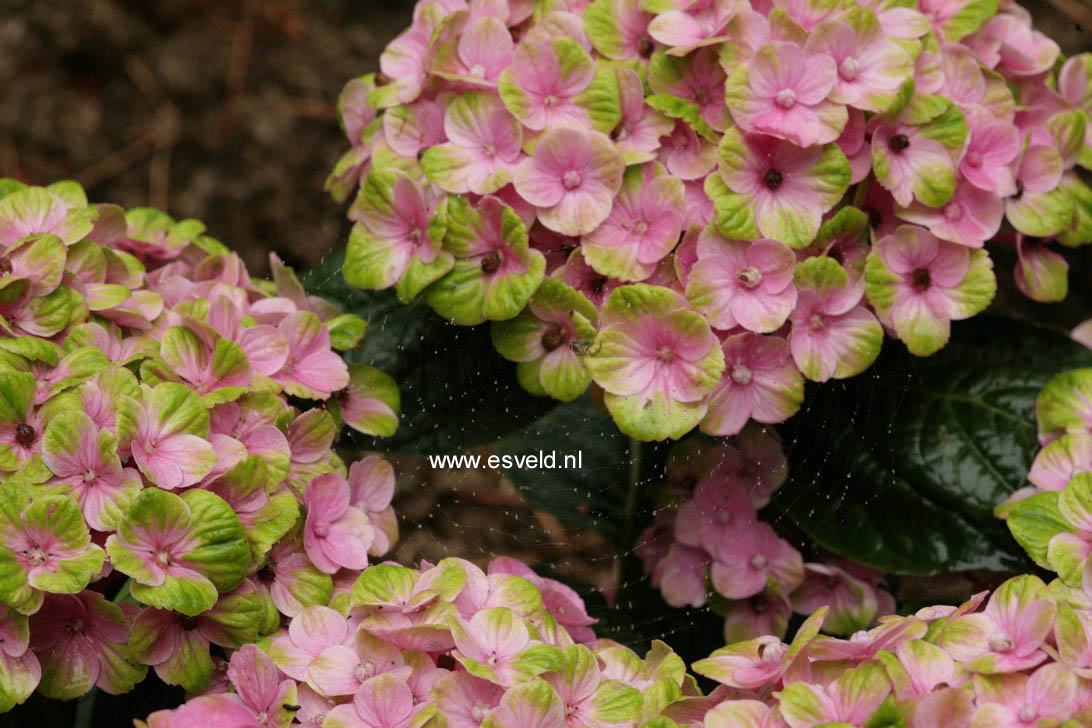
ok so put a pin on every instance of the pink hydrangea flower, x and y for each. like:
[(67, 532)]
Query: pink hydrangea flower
[(371, 486), (715, 512), (311, 369), (1049, 694), (783, 92), (832, 335), (680, 576), (542, 85), (738, 283), (1008, 40), (485, 144), (643, 225), (685, 154), (786, 188), (261, 687), (695, 23), (336, 534), (987, 161), (870, 66), (311, 631), (971, 217), (1008, 634), (656, 359), (743, 565), (84, 456), (572, 179), (919, 284), (641, 128), (760, 382), (81, 642), (494, 637)]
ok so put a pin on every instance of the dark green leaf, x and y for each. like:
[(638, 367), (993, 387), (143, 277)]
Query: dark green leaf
[(591, 496), (901, 467)]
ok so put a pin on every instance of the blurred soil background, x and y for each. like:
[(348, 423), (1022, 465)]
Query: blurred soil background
[(224, 110)]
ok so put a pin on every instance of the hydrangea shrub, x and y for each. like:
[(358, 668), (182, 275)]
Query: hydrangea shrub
[(688, 207), (814, 177)]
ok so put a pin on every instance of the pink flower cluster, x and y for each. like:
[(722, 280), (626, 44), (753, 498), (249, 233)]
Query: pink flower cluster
[(697, 204), (166, 437), (712, 539), (401, 648)]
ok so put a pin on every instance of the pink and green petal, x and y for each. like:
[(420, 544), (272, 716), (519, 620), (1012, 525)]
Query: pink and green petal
[(371, 402), (495, 273), (165, 429), (180, 550)]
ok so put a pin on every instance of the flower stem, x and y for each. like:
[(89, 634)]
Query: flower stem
[(85, 709)]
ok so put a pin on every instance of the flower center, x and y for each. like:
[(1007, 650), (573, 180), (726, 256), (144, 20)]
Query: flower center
[(479, 711), (759, 605), (899, 142), (700, 96), (25, 434), (268, 572), (973, 159), (550, 101), (364, 671), (491, 262), (620, 133), (816, 322), (321, 529), (1028, 713), (1000, 642), (848, 68), (723, 517), (261, 718), (741, 375), (758, 561), (90, 475), (665, 354), (163, 558), (749, 277), (597, 284), (416, 236), (639, 228), (73, 627), (772, 179), (490, 150), (5, 267), (571, 179), (920, 279), (553, 337), (953, 212), (188, 623), (645, 46), (772, 651), (37, 556), (785, 98), (478, 71)]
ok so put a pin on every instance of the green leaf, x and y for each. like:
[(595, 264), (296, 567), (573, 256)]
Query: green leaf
[(901, 470)]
